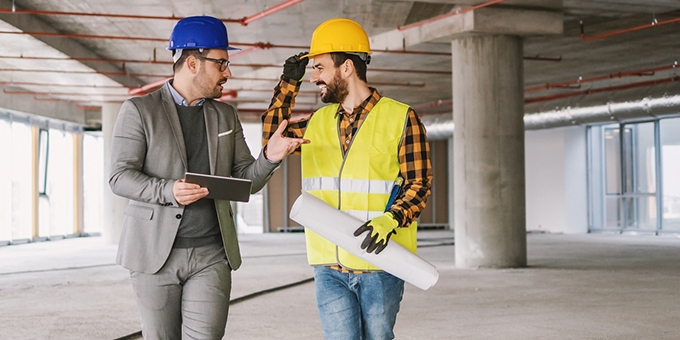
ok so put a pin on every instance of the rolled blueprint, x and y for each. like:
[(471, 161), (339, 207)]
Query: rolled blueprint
[(338, 227)]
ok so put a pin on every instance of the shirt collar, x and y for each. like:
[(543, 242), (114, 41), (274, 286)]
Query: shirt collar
[(179, 100), (366, 106)]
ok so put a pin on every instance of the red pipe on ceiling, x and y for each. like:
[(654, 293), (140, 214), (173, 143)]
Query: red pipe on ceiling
[(569, 84), (433, 104), (144, 89), (105, 15), (230, 65), (20, 83), (243, 21), (138, 91), (450, 14), (269, 11), (603, 89), (261, 45), (64, 93), (626, 30)]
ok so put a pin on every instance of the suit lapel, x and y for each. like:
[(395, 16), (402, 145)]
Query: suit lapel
[(175, 125), (211, 127)]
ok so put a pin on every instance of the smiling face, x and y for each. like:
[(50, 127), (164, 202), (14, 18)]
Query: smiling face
[(209, 80), (327, 77)]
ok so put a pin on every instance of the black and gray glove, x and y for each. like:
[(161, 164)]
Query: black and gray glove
[(294, 67)]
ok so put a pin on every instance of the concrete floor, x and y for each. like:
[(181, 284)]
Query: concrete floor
[(576, 287)]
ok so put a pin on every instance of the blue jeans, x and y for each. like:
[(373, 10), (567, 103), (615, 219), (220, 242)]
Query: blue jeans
[(357, 306)]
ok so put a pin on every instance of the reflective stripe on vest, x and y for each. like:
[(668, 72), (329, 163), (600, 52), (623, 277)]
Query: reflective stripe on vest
[(358, 182), (348, 185)]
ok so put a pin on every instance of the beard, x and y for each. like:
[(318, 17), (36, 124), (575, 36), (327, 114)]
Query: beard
[(207, 89), (336, 91)]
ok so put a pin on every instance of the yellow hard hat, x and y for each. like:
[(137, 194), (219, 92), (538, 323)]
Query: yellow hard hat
[(339, 35)]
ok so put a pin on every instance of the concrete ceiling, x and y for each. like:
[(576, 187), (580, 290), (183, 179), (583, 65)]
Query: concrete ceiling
[(88, 63)]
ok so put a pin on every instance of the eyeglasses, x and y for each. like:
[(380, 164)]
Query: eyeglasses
[(223, 63)]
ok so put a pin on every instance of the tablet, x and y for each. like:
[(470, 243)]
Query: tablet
[(222, 188)]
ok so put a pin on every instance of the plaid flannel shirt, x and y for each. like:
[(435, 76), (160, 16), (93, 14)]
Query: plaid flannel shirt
[(414, 150)]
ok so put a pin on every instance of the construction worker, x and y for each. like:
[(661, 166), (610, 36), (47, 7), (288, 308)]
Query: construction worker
[(179, 245), (362, 145)]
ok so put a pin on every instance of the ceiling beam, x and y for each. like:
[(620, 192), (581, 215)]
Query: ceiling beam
[(68, 46)]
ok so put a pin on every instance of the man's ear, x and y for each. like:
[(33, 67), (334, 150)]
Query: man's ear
[(347, 68), (192, 63)]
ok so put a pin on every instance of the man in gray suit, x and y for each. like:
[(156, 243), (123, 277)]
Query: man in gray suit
[(179, 246)]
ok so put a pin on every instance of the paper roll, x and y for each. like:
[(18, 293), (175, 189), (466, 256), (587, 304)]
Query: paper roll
[(338, 227)]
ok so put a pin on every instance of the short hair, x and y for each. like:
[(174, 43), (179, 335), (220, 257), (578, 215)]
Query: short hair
[(185, 54), (359, 65)]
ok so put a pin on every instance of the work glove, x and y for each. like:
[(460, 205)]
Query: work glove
[(294, 67), (380, 230)]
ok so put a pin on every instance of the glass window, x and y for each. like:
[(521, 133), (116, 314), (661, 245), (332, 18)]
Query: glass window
[(622, 179), (43, 145), (670, 155), (640, 158), (639, 155), (20, 156), (612, 159), (60, 180), (93, 182), (595, 171), (5, 183), (249, 216)]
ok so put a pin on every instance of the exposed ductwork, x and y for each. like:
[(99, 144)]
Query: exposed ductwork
[(633, 110), (440, 126)]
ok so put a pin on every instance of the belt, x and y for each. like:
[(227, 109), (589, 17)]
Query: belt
[(348, 271)]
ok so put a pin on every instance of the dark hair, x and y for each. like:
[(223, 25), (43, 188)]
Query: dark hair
[(359, 65), (185, 54)]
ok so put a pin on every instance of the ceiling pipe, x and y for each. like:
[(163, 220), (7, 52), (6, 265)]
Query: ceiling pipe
[(140, 61), (262, 45), (269, 11), (441, 126), (437, 103), (539, 58), (145, 88), (138, 91), (569, 84), (450, 14), (150, 75), (105, 15), (26, 83), (64, 93), (87, 36), (624, 111), (231, 94), (243, 21), (103, 60), (602, 89), (654, 23)]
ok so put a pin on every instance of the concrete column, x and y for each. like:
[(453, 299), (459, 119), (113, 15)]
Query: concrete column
[(114, 206), (489, 190)]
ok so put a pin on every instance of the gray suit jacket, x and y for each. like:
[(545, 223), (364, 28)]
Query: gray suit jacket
[(148, 156)]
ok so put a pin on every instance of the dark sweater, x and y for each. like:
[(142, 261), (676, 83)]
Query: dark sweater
[(199, 225)]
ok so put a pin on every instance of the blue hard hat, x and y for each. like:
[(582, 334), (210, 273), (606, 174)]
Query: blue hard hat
[(199, 32)]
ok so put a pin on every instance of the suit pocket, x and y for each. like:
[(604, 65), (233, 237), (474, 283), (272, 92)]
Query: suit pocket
[(136, 211), (226, 133)]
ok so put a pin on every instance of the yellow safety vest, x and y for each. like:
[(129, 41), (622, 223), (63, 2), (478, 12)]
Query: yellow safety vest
[(359, 182)]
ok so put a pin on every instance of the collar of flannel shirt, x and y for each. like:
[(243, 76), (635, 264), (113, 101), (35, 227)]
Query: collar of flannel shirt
[(366, 106)]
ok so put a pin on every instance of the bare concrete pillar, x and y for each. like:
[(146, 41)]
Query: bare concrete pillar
[(489, 189), (114, 206)]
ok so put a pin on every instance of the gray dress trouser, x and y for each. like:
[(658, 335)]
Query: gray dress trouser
[(191, 290)]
